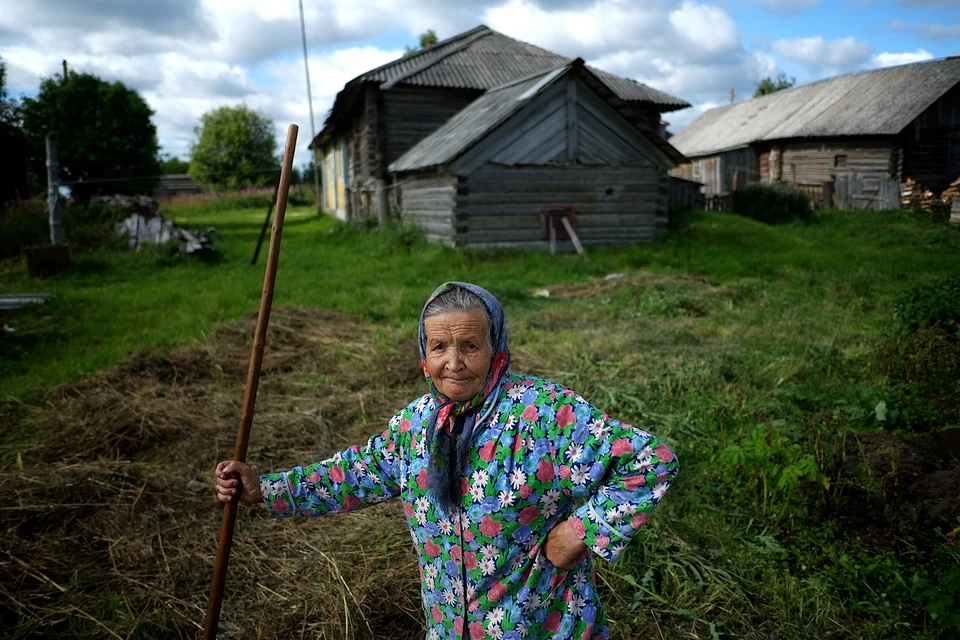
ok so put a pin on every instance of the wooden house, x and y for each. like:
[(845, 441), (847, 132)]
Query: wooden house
[(555, 141), (383, 113), (860, 134)]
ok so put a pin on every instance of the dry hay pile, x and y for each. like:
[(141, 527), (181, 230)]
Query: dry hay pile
[(110, 527)]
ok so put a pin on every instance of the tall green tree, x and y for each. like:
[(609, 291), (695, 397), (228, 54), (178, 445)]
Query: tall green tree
[(174, 165), (235, 148), (9, 112), (772, 85), (106, 139), (427, 39)]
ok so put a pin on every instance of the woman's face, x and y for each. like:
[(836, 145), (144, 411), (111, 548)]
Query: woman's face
[(458, 352)]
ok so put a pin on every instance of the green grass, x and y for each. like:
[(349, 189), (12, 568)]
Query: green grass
[(845, 268), (754, 350)]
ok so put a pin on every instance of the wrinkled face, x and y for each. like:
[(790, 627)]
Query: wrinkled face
[(458, 352)]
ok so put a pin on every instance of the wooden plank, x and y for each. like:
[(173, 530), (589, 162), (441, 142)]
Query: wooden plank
[(597, 193), (496, 176), (514, 127), (573, 126), (518, 151), (425, 191), (613, 155), (521, 209), (620, 129), (573, 236), (551, 151), (603, 142)]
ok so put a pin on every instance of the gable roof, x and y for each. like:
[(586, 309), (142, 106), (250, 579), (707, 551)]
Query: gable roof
[(495, 107), (875, 103), (482, 59)]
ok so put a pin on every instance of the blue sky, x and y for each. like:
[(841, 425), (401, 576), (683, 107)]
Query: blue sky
[(189, 56)]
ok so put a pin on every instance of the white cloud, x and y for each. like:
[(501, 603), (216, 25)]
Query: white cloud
[(816, 53), (189, 56), (691, 50), (893, 59), (705, 30)]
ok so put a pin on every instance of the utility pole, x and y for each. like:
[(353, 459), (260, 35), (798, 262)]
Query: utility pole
[(53, 192), (313, 129)]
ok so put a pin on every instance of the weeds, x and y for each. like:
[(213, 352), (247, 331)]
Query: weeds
[(804, 509)]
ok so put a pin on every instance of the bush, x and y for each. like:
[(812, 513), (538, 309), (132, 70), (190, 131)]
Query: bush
[(23, 225), (92, 226), (772, 203), (925, 305)]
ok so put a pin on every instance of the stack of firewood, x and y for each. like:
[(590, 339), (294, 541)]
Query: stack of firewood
[(914, 195), (952, 192)]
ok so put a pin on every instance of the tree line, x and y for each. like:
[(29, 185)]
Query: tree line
[(107, 141)]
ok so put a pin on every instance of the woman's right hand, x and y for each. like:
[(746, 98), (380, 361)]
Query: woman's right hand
[(237, 479)]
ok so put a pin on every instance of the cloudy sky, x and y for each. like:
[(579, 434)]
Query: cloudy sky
[(188, 56)]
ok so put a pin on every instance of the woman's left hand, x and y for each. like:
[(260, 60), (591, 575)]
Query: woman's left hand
[(564, 548)]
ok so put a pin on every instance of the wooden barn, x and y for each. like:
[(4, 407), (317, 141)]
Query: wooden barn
[(523, 156), (383, 113), (858, 136)]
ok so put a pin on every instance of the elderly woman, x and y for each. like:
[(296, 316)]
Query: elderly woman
[(511, 484)]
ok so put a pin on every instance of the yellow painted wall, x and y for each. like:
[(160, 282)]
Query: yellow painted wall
[(341, 178)]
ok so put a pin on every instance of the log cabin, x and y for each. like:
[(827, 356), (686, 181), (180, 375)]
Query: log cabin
[(501, 171), (856, 136), (382, 114)]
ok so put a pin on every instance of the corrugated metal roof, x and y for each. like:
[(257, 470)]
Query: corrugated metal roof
[(483, 59), (879, 102), (483, 115), (468, 126)]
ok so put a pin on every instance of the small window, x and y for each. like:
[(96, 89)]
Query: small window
[(840, 162), (697, 168)]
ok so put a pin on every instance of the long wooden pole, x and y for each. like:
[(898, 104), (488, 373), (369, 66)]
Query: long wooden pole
[(250, 393)]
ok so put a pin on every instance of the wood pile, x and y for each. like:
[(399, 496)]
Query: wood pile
[(914, 195), (952, 192)]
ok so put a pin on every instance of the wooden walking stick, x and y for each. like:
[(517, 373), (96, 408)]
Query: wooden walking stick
[(250, 393)]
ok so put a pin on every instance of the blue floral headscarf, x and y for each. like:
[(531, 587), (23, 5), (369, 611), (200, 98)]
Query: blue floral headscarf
[(443, 472)]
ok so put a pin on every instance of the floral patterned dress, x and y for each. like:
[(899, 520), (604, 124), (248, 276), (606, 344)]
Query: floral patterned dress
[(544, 456)]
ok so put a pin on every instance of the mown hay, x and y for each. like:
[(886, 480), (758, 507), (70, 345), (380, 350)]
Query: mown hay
[(110, 527)]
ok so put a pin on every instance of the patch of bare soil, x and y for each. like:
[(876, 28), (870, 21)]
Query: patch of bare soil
[(915, 482), (110, 528)]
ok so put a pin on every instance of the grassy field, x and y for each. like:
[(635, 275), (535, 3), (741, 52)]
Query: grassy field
[(817, 492)]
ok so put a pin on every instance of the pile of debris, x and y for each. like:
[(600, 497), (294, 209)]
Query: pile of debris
[(155, 230)]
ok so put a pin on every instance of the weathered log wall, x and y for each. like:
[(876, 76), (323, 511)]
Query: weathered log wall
[(931, 145), (411, 114), (428, 201), (501, 206)]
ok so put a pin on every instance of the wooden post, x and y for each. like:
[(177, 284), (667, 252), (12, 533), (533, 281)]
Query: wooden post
[(574, 238), (250, 392), (736, 179), (313, 130), (553, 235), (53, 191)]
